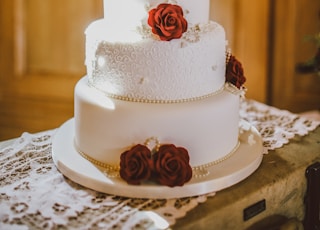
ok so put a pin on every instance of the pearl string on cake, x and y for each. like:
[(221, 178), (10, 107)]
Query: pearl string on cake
[(203, 168), (156, 101), (228, 55), (155, 141), (112, 171)]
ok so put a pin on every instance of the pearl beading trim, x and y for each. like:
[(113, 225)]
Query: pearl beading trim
[(108, 169), (156, 101), (112, 171), (202, 169)]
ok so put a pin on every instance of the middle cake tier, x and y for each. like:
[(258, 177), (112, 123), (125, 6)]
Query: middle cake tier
[(144, 68)]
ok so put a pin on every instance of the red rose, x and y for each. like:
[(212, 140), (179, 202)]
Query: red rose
[(171, 165), (167, 21), (136, 164), (234, 72)]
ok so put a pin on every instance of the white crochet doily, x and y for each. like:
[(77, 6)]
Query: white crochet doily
[(34, 195)]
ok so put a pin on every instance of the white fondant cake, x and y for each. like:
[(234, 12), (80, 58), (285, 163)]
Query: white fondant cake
[(156, 71)]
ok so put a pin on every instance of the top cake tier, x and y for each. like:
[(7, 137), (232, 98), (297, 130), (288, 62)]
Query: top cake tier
[(129, 14)]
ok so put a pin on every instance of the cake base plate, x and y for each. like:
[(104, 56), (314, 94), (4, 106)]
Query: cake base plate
[(234, 169)]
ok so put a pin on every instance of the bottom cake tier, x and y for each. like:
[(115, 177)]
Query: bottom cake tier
[(245, 160), (105, 127)]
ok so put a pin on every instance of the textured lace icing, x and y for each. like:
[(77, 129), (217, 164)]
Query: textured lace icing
[(34, 195), (155, 70)]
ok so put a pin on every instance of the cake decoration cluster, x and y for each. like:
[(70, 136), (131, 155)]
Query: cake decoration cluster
[(167, 165)]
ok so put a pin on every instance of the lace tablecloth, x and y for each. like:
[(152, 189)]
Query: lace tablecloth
[(35, 195)]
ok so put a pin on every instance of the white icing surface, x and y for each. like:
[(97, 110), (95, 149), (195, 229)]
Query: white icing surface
[(151, 69), (106, 127), (128, 14)]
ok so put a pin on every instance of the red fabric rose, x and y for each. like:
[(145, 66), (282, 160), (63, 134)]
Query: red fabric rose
[(234, 72), (171, 165), (136, 164), (167, 21)]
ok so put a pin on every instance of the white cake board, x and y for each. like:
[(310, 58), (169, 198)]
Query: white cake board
[(236, 168)]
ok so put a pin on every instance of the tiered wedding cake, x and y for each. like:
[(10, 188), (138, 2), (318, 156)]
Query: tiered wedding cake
[(156, 104)]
